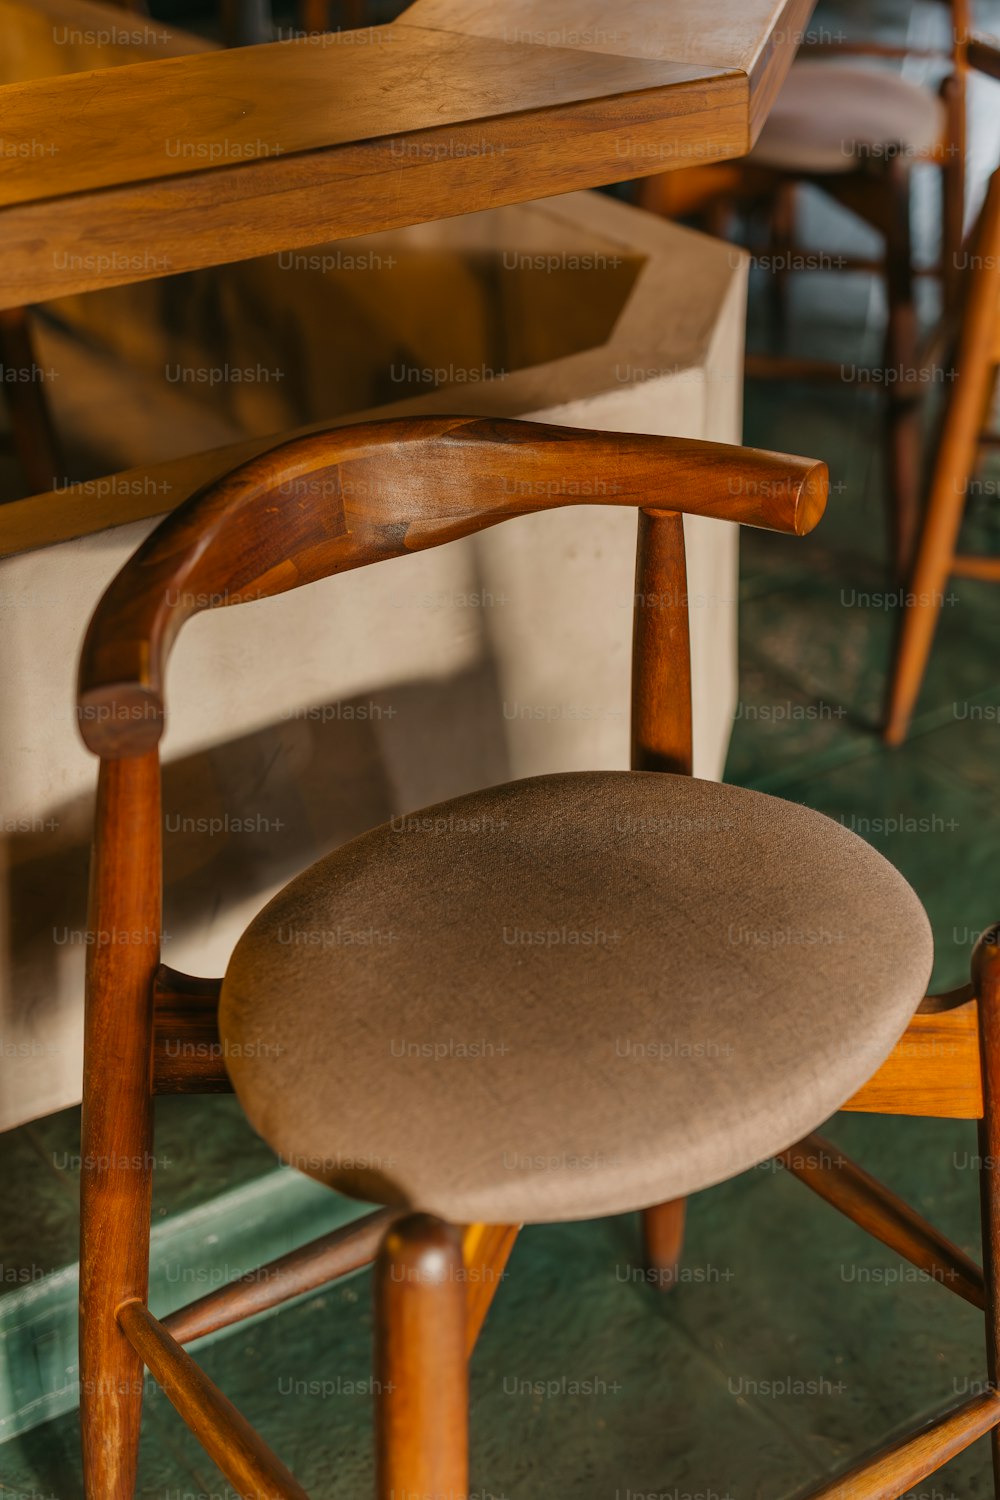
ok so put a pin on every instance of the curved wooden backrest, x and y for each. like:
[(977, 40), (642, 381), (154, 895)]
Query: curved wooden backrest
[(340, 499)]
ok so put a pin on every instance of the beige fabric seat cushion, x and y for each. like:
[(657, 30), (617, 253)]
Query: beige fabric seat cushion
[(829, 115), (570, 996)]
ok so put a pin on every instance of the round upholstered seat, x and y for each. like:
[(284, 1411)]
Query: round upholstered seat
[(570, 996), (828, 116)]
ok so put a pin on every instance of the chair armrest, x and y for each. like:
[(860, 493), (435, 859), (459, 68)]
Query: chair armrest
[(349, 496)]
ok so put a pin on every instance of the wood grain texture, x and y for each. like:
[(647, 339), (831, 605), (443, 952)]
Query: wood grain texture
[(303, 1270), (212, 110), (217, 156), (188, 1056), (117, 1132), (825, 1169), (893, 1471), (227, 1437), (933, 1070), (661, 648), (705, 33), (421, 1368), (117, 235), (352, 496)]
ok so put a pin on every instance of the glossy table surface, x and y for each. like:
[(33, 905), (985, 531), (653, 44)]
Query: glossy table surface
[(125, 173)]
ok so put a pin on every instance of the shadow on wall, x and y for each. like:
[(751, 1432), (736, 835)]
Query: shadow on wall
[(243, 817)]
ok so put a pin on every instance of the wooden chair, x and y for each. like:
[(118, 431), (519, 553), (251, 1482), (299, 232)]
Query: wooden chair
[(550, 1117), (854, 131), (958, 451)]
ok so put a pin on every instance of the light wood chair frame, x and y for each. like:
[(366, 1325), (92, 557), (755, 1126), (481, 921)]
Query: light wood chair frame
[(314, 507), (964, 434)]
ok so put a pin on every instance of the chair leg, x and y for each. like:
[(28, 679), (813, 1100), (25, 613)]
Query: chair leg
[(117, 1138), (781, 246), (111, 1373), (926, 593), (663, 1241), (421, 1365), (901, 353), (986, 980)]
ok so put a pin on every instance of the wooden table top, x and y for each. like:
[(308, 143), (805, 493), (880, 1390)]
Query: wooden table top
[(127, 173)]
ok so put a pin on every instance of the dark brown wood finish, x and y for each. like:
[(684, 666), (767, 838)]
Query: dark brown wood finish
[(661, 648), (983, 54), (352, 496), (823, 1167), (188, 1056), (304, 1270), (421, 1365), (117, 1138), (227, 1437), (662, 740)]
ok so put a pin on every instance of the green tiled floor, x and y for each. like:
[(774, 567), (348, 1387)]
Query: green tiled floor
[(794, 1341)]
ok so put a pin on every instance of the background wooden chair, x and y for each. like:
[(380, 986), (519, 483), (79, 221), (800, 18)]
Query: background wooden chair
[(963, 435), (854, 131)]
